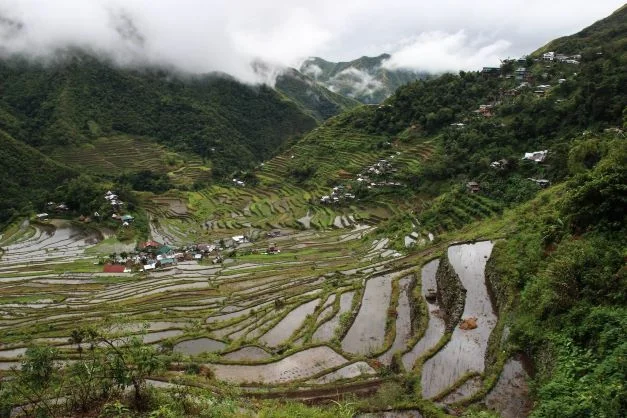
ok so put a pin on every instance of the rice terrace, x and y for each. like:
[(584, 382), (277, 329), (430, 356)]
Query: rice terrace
[(275, 307), (204, 228)]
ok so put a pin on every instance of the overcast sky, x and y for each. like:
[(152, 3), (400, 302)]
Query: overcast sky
[(211, 35)]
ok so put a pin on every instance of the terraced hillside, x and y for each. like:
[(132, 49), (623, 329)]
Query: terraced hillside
[(334, 309), (338, 151), (410, 258), (119, 154)]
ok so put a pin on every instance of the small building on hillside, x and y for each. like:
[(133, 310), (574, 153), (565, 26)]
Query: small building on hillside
[(273, 248), (521, 74), (149, 246), (167, 262), (544, 183), (500, 164), (473, 187), (206, 248), (239, 239), (42, 216), (536, 156), (491, 71), (127, 218)]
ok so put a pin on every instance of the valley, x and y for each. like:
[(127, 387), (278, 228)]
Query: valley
[(189, 245)]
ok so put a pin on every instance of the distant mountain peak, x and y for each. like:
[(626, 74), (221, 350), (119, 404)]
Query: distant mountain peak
[(364, 79)]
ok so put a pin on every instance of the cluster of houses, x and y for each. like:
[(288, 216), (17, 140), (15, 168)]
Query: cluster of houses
[(381, 168), (116, 205), (152, 255), (502, 164), (52, 207), (538, 90), (568, 59), (338, 194), (368, 177)]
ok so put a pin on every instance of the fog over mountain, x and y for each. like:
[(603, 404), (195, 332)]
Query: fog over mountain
[(196, 36)]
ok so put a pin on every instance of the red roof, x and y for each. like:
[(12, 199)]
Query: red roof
[(147, 244), (113, 268)]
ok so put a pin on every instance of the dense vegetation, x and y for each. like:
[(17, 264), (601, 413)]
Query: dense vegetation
[(26, 177), (566, 261), (69, 106), (78, 97)]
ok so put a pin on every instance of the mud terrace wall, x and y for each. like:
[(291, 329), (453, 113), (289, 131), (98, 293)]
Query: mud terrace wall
[(495, 284), (451, 293)]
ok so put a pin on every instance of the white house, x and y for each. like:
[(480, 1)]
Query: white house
[(537, 156)]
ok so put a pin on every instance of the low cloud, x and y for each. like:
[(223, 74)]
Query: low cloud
[(437, 52), (205, 36), (355, 83), (312, 70)]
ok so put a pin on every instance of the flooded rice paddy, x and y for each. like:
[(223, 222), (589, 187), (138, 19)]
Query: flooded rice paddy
[(367, 332), (465, 352), (199, 346), (318, 313)]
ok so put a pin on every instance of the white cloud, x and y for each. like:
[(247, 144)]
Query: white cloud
[(358, 82), (438, 52), (312, 70), (214, 35)]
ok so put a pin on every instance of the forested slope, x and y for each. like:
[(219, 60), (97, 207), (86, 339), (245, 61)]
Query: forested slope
[(79, 97)]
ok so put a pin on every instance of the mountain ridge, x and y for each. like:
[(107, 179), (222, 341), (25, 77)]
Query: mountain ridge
[(365, 79)]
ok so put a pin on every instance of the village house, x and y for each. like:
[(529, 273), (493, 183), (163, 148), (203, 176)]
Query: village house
[(491, 71), (166, 262), (521, 74), (42, 216), (473, 187), (541, 182), (536, 156), (206, 248), (239, 239), (148, 246), (485, 110), (500, 164), (273, 249)]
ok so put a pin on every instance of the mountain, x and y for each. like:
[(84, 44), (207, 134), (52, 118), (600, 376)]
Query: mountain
[(76, 98), (87, 113), (26, 176), (364, 79), (531, 157), (313, 98), (609, 32)]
